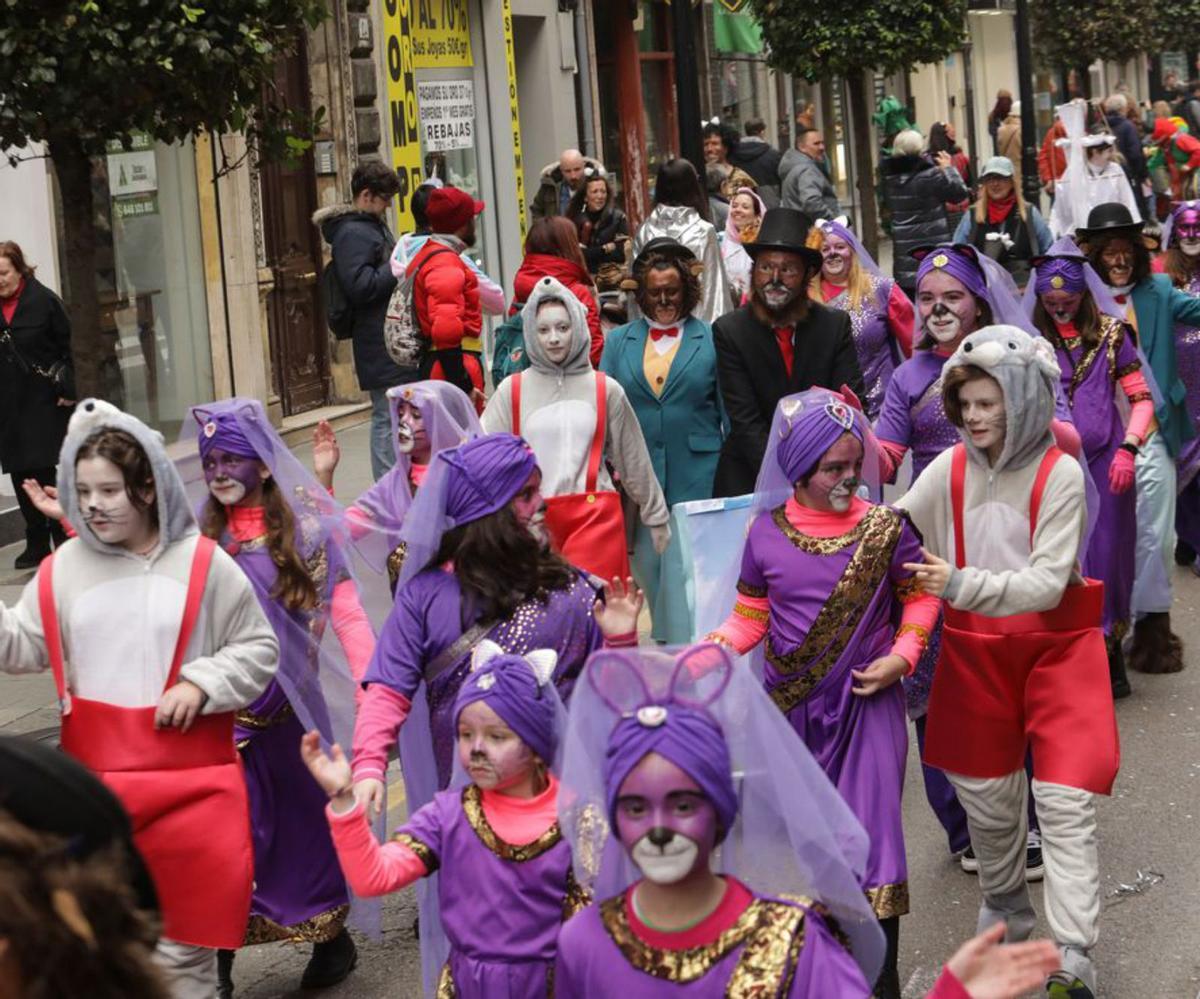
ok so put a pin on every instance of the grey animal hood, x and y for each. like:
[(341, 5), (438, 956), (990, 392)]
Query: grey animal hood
[(1025, 368), (175, 517), (577, 361)]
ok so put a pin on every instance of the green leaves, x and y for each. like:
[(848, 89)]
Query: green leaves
[(817, 39), (98, 69)]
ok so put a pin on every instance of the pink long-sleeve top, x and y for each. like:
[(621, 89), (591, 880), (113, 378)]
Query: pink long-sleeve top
[(746, 626), (350, 622), (373, 869)]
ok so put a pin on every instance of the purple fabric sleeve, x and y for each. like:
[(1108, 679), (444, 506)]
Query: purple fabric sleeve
[(825, 967), (751, 574), (893, 424), (399, 654), (908, 549), (427, 823)]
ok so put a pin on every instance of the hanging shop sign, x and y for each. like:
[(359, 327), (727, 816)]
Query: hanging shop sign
[(447, 111)]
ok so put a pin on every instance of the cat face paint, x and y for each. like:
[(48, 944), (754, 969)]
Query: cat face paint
[(948, 311), (104, 502), (833, 484), (232, 477), (665, 821), (491, 753), (410, 433), (1062, 306)]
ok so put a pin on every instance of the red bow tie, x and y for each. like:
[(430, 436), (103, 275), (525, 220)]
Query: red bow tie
[(659, 334), (1120, 299)]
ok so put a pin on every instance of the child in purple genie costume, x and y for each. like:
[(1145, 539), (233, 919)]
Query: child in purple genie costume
[(822, 581), (285, 533), (472, 569), (1096, 353), (682, 788), (491, 926), (427, 417)]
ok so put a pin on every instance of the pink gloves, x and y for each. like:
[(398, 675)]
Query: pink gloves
[(1120, 472)]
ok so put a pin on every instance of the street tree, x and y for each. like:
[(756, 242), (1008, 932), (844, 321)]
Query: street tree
[(1064, 35), (81, 73), (818, 40)]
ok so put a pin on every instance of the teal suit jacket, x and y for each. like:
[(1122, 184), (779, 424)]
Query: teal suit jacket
[(1159, 305), (685, 426)]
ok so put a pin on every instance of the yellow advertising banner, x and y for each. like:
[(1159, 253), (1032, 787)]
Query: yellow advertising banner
[(442, 34), (514, 110), (418, 34)]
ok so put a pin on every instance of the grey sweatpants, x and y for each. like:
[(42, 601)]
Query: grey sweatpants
[(191, 971), (995, 808)]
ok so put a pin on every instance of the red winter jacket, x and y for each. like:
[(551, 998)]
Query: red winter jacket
[(573, 277), (446, 298)]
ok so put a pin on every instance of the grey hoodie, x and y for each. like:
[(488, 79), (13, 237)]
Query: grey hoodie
[(558, 414), (1004, 573), (119, 612)]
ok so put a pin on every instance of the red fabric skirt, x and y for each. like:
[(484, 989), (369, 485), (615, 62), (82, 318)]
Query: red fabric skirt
[(1037, 680)]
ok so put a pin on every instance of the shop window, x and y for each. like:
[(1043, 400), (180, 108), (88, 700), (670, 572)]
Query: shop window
[(150, 277)]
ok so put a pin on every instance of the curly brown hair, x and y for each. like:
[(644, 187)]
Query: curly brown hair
[(71, 926), (500, 564), (657, 261), (124, 451), (293, 587), (1179, 267)]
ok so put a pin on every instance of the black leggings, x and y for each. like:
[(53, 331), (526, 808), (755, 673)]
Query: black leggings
[(888, 984), (38, 530)]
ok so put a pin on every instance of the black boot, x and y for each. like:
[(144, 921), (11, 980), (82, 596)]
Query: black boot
[(1155, 648), (887, 986), (225, 974), (1116, 668), (37, 547), (331, 962), (1185, 554)]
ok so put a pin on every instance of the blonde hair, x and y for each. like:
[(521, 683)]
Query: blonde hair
[(858, 284), (981, 204)]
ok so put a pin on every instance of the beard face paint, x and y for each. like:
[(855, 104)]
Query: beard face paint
[(836, 255), (231, 477), (983, 414), (1187, 232), (104, 502), (665, 821), (948, 311), (410, 433), (1062, 306), (834, 483), (491, 753)]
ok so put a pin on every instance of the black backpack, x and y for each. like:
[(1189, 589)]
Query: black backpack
[(339, 313)]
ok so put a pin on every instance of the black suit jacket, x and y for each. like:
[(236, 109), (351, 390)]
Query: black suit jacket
[(753, 379)]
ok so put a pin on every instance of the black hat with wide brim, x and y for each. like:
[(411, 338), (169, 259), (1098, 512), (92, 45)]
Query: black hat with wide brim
[(1111, 217), (784, 229)]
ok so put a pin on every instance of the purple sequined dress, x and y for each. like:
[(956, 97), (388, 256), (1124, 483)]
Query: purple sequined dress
[(429, 617), (833, 607), (299, 891), (501, 904), (873, 342), (777, 948), (1187, 353), (1090, 376)]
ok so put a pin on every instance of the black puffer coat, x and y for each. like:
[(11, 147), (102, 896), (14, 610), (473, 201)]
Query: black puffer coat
[(916, 193)]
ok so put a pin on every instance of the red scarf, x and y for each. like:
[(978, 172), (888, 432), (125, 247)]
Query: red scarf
[(8, 306), (1000, 208)]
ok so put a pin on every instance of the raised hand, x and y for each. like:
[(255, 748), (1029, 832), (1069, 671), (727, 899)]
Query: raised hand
[(45, 498), (325, 453), (617, 614)]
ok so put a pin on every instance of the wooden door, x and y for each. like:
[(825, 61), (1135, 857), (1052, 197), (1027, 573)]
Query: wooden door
[(299, 342)]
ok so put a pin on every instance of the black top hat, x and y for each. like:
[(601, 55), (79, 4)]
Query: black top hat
[(784, 229), (668, 247), (1112, 216)]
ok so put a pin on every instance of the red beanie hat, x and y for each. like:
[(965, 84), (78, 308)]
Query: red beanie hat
[(1164, 128), (450, 208)]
